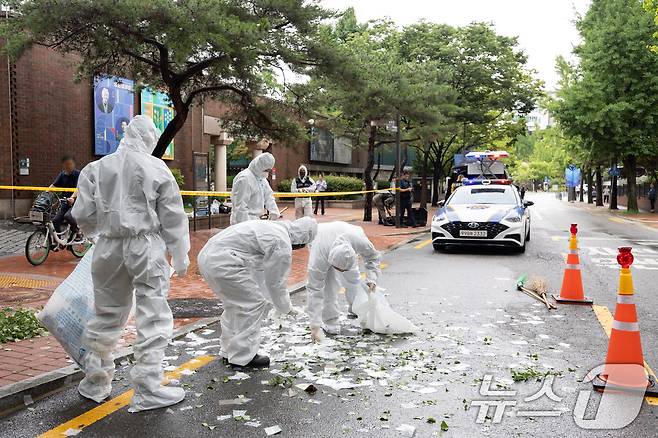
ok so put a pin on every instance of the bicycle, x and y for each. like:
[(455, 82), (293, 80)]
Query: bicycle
[(46, 238)]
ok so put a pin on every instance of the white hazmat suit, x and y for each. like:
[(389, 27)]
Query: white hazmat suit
[(229, 263), (333, 263), (131, 202), (251, 193), (303, 184)]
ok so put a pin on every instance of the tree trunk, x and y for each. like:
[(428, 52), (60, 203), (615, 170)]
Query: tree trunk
[(599, 187), (436, 177), (176, 124), (423, 179), (582, 187), (630, 166), (367, 174), (590, 183)]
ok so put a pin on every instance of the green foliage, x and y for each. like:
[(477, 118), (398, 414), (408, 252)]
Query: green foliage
[(609, 99), (19, 324), (179, 177), (231, 50), (334, 184), (543, 153)]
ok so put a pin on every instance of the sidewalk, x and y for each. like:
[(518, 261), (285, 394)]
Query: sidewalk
[(24, 285), (646, 218)]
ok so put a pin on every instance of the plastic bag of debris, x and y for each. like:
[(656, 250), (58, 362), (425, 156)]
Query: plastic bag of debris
[(70, 307), (375, 314)]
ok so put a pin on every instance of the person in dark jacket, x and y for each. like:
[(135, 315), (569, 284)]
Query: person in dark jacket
[(406, 199), (67, 178)]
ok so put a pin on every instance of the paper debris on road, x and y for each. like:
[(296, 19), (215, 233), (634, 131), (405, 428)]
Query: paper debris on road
[(239, 376), (406, 430), (72, 432), (272, 430), (234, 401)]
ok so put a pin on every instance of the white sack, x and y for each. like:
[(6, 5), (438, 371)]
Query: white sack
[(375, 314)]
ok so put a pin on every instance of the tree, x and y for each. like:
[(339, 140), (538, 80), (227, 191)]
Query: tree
[(384, 86), (611, 97), (225, 49), (488, 78)]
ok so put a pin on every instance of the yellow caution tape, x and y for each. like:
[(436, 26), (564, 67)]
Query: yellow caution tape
[(214, 194)]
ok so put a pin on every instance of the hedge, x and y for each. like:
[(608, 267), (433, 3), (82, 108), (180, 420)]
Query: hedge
[(334, 184)]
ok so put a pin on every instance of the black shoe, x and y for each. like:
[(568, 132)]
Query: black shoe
[(258, 361)]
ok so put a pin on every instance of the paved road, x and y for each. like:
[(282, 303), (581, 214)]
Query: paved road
[(472, 324)]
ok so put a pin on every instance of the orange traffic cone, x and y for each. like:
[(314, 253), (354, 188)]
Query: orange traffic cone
[(572, 283), (624, 365)]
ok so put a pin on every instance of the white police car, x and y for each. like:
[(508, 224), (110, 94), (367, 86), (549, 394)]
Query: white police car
[(483, 212)]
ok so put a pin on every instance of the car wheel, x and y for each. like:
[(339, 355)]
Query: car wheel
[(527, 237)]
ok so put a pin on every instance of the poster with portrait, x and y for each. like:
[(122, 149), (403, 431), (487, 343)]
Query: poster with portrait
[(114, 105), (157, 106)]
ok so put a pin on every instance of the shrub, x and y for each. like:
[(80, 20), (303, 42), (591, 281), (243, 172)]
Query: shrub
[(19, 324), (334, 184)]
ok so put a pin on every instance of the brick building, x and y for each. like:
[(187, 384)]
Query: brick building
[(45, 114)]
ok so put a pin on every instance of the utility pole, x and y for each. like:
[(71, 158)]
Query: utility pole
[(398, 172)]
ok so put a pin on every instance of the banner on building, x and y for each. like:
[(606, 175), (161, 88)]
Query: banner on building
[(158, 106), (114, 102)]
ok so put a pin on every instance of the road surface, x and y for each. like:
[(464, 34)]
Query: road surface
[(476, 333)]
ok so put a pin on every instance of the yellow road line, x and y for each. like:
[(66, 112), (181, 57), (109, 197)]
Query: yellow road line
[(618, 220), (605, 319), (423, 244), (10, 281), (98, 413)]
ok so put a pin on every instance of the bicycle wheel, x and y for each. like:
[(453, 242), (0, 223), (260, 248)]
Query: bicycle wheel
[(80, 249), (37, 247)]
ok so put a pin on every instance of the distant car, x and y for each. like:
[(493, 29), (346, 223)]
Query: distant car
[(483, 213)]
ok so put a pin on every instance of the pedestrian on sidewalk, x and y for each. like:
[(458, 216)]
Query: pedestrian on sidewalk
[(251, 193), (332, 264), (383, 201), (230, 262), (131, 202), (406, 199), (320, 187), (652, 197), (302, 184), (606, 195)]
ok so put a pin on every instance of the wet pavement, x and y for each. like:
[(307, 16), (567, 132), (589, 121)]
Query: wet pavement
[(477, 336)]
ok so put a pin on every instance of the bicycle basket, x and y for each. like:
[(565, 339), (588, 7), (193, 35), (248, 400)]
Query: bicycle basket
[(45, 207)]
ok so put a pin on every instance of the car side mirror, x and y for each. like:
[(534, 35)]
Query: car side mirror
[(528, 203), (442, 203)]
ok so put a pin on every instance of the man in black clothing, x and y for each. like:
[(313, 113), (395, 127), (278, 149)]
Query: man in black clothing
[(406, 198), (67, 178)]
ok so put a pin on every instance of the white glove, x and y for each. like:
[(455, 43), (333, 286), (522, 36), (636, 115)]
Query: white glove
[(372, 286), (181, 267), (274, 216), (316, 334)]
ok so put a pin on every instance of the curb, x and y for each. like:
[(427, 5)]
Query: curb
[(12, 397)]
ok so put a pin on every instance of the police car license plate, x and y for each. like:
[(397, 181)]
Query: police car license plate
[(473, 233), (36, 216)]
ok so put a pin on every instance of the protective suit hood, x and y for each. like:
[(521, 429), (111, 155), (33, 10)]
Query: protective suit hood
[(261, 163), (302, 172), (141, 135), (342, 256), (302, 231)]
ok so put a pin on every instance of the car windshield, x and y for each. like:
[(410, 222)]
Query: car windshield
[(483, 195)]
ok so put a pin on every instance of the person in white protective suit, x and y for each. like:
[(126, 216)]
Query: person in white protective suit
[(251, 192), (130, 201), (333, 263), (229, 262), (303, 184)]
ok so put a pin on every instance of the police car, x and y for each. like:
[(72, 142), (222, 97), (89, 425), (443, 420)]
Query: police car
[(483, 211)]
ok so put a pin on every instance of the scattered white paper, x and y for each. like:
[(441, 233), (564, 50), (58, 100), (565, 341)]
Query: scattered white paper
[(406, 430), (223, 417), (72, 432), (272, 430), (240, 376)]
